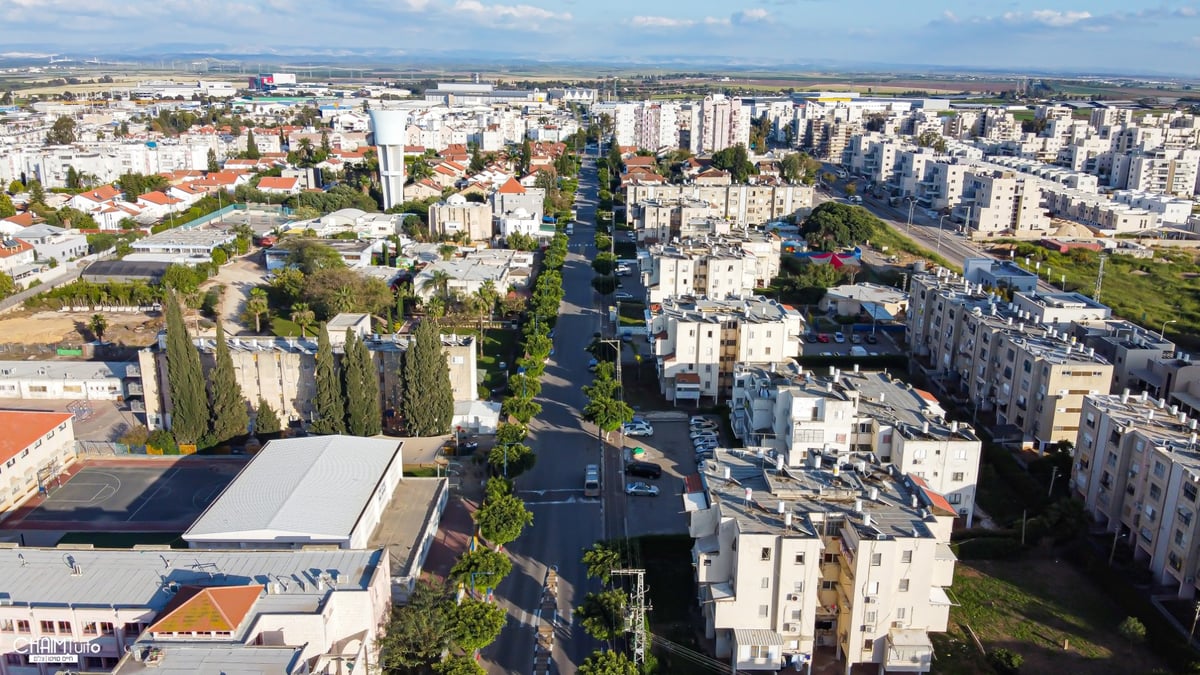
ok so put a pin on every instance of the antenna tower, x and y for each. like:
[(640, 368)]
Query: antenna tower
[(1099, 279)]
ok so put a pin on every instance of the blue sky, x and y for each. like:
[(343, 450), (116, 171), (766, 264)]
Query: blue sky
[(1091, 35)]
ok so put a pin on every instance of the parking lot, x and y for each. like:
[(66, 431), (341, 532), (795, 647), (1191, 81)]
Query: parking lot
[(885, 344), (671, 449)]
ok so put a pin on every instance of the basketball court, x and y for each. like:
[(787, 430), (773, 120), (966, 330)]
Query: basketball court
[(134, 495)]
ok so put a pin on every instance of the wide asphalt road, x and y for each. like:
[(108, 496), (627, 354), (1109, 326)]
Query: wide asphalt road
[(565, 524)]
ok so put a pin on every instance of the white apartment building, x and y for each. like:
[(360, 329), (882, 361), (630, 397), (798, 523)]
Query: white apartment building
[(656, 126), (999, 358), (1163, 171), (624, 121), (1137, 469), (742, 204), (994, 202), (838, 552), (794, 412), (698, 343), (714, 267), (35, 447), (132, 611), (456, 215), (724, 123)]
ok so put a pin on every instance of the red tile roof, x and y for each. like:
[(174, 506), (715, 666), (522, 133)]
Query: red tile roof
[(19, 429), (24, 219), (277, 183), (511, 187), (687, 378), (158, 198), (19, 247), (935, 499), (213, 609), (103, 193)]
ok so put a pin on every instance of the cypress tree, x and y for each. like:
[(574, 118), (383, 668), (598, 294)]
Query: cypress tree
[(428, 396), (227, 407), (185, 379), (331, 408), (265, 420), (251, 145), (362, 388)]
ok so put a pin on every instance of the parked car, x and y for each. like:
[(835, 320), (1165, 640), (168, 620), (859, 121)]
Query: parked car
[(856, 339), (641, 490), (823, 338), (468, 445), (703, 433), (872, 339), (622, 295), (838, 337), (637, 429), (810, 337), (706, 444), (643, 470), (697, 419), (703, 426)]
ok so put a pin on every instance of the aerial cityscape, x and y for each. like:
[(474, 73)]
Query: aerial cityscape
[(333, 348)]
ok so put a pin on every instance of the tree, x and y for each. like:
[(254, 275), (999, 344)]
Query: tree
[(310, 255), (477, 624), (481, 568), (834, 226), (604, 263), (511, 460), (428, 401), (62, 132), (521, 408), (458, 665), (607, 663), (303, 316), (331, 406), (1005, 661), (850, 189), (256, 306), (251, 146), (602, 614), (419, 631), (306, 213), (219, 256), (931, 139), (601, 561), (735, 160), (363, 416), (98, 324), (502, 517), (37, 194), (229, 417), (1133, 630), (7, 210), (333, 291), (447, 251), (266, 422), (16, 187), (185, 379), (213, 166), (604, 285)]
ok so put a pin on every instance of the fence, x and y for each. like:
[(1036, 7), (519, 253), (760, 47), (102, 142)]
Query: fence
[(17, 299), (108, 449), (219, 213)]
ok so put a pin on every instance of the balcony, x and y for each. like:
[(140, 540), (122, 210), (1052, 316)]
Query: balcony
[(908, 651), (133, 371)]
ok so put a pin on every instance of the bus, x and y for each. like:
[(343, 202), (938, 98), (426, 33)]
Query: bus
[(591, 481)]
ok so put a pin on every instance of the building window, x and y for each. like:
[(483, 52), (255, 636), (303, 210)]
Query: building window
[(64, 627), (22, 626), (871, 616), (1189, 491), (766, 582), (107, 628), (830, 559), (14, 659), (6, 626), (760, 652), (868, 645), (798, 587), (829, 585), (958, 476), (876, 559), (1155, 492), (765, 554), (906, 556), (904, 585), (901, 612), (954, 498), (89, 628), (799, 558), (763, 610)]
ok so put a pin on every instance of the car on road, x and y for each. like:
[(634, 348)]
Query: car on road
[(643, 470), (872, 339), (838, 337), (810, 337), (826, 353), (856, 339), (637, 429), (823, 338), (641, 490), (622, 295)]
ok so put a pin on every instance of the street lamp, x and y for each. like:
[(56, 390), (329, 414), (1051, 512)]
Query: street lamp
[(939, 239), (911, 205), (1162, 333)]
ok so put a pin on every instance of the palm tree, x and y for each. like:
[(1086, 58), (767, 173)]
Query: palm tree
[(303, 316), (447, 251), (97, 324), (486, 304), (256, 306), (343, 299), (439, 283), (306, 149)]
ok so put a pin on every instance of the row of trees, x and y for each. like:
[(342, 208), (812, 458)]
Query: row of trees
[(602, 614)]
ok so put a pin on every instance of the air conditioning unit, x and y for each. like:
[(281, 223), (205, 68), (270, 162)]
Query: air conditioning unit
[(793, 597), (868, 628), (899, 624), (791, 628), (870, 599)]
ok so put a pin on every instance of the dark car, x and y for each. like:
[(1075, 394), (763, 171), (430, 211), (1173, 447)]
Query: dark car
[(810, 337), (872, 339), (643, 470)]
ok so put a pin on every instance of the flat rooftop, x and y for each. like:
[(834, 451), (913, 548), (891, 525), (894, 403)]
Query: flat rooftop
[(190, 659), (63, 370), (198, 237), (400, 526)]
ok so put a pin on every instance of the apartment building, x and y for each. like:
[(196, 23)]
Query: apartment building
[(656, 126), (1137, 469), (36, 447), (999, 359), (742, 204), (793, 412), (131, 611), (724, 123), (839, 552), (1171, 171), (281, 371), (715, 267), (942, 185), (994, 202), (663, 219), (456, 215), (698, 343)]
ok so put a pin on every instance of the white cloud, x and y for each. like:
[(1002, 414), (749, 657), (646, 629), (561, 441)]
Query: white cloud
[(512, 12), (754, 15), (659, 22), (714, 21), (1056, 18)]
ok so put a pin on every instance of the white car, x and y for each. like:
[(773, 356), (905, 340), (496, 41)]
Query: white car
[(701, 426), (637, 429), (641, 489), (710, 444), (700, 419), (703, 434), (839, 338)]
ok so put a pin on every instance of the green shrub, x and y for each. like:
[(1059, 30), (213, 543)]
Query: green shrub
[(1005, 661), (987, 548)]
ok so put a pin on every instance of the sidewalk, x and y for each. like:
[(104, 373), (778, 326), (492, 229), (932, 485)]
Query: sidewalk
[(453, 537)]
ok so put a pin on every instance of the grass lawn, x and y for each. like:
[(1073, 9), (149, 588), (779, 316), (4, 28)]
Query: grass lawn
[(1032, 606), (887, 236), (123, 539), (633, 314), (282, 327)]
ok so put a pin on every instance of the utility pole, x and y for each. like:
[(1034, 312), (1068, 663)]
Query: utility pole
[(1099, 279), (637, 613)]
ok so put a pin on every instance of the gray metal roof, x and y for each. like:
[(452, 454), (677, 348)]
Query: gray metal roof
[(136, 578), (312, 488), (757, 636), (63, 370), (202, 659)]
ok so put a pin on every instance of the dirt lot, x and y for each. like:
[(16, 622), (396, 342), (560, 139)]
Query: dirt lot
[(71, 327)]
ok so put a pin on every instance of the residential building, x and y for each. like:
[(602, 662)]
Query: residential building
[(456, 215), (839, 552), (879, 302), (35, 447), (995, 202), (137, 611), (995, 358), (356, 253), (991, 273), (1134, 352), (511, 196), (698, 343), (715, 267), (742, 204), (1137, 469), (793, 412), (54, 243), (75, 380), (724, 123), (279, 185), (465, 276)]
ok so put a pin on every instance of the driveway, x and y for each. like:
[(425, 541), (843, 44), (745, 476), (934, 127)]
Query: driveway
[(670, 448), (238, 278)]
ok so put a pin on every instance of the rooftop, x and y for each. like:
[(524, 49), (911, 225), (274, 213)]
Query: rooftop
[(755, 309), (190, 659), (299, 489), (198, 237), (20, 428)]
